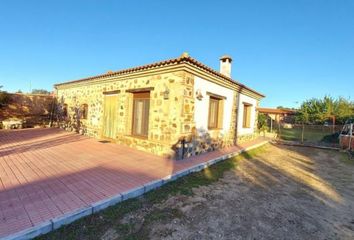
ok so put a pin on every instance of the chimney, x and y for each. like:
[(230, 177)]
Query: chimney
[(225, 65)]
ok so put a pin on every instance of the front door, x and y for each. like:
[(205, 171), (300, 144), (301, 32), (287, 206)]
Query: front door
[(110, 115), (141, 108)]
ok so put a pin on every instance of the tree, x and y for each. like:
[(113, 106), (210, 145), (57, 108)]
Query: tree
[(318, 111), (262, 122), (343, 109), (40, 91), (4, 97)]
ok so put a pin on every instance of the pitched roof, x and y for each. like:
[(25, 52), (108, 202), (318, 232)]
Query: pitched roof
[(184, 58), (276, 110)]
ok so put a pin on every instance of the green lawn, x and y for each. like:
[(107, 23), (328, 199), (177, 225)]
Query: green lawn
[(310, 135)]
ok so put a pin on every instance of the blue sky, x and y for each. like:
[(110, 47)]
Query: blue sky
[(290, 50)]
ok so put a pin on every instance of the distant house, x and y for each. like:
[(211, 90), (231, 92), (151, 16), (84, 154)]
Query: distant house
[(163, 107), (279, 115)]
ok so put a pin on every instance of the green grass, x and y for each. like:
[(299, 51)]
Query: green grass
[(345, 157), (310, 135), (94, 226)]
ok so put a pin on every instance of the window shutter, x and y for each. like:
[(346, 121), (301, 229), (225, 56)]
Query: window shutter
[(248, 116), (220, 113), (213, 113), (244, 123), (146, 117), (129, 117)]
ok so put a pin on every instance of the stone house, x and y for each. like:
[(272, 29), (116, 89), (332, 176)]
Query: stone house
[(174, 108)]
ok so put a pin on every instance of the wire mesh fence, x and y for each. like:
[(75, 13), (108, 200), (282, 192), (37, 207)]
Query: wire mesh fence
[(324, 135)]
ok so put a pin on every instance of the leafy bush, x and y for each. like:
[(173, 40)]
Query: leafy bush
[(332, 138), (318, 111), (4, 97), (262, 122)]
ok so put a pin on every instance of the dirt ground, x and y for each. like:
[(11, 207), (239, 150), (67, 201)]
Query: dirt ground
[(283, 193)]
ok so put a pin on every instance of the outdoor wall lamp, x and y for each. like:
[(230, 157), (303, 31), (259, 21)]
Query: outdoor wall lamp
[(166, 93), (199, 94)]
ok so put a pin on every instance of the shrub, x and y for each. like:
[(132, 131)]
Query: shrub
[(4, 98), (331, 138)]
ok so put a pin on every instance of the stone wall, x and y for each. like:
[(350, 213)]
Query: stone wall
[(230, 137), (170, 114), (247, 137), (34, 109)]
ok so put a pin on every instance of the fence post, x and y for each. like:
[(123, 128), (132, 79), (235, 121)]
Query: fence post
[(302, 133), (350, 136)]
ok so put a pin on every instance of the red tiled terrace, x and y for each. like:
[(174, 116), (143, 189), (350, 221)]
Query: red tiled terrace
[(45, 173)]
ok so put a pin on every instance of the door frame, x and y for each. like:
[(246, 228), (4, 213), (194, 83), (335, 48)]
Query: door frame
[(108, 93), (145, 98)]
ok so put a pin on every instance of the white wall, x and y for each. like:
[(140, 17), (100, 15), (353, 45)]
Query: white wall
[(202, 106), (253, 102)]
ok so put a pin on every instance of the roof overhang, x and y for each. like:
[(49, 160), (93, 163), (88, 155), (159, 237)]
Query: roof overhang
[(184, 62)]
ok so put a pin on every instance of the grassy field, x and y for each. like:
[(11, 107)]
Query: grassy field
[(310, 135)]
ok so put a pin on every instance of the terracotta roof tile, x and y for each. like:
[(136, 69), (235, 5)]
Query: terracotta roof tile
[(183, 58), (276, 110)]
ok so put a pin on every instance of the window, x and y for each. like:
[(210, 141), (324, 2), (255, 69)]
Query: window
[(141, 106), (246, 115), (215, 113), (84, 111)]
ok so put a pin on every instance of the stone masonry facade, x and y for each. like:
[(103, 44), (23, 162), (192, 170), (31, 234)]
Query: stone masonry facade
[(170, 116), (171, 124)]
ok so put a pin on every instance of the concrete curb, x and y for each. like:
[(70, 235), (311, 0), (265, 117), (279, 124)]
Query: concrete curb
[(153, 185), (105, 203), (65, 219), (70, 217), (133, 193), (180, 174)]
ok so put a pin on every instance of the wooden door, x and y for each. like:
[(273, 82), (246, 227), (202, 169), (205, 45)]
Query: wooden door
[(110, 115), (141, 108)]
